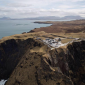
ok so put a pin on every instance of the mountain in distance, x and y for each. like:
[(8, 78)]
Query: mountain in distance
[(54, 18), (46, 18), (72, 17), (5, 18)]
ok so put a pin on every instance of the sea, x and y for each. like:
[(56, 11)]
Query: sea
[(11, 27)]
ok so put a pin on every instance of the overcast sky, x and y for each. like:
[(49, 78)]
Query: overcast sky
[(36, 8)]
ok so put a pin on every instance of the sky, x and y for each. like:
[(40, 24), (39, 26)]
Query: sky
[(38, 8)]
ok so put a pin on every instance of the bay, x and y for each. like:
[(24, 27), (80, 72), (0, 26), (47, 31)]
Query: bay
[(11, 27)]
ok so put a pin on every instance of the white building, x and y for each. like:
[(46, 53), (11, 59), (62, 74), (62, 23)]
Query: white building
[(53, 42)]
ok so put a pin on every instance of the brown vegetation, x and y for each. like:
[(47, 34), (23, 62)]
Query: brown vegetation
[(64, 26)]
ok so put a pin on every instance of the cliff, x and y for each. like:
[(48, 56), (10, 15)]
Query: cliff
[(11, 51), (27, 61), (70, 61), (76, 62)]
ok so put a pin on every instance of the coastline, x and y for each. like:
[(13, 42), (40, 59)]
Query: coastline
[(12, 27), (73, 26), (44, 22)]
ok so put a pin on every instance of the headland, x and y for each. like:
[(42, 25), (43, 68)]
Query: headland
[(53, 55)]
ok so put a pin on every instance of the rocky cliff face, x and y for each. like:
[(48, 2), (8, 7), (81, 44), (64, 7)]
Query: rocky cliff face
[(56, 67), (70, 61), (58, 58), (76, 62)]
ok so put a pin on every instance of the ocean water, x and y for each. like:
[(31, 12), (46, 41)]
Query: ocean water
[(11, 27), (2, 82)]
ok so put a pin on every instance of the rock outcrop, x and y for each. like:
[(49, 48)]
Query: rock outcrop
[(70, 61), (76, 62)]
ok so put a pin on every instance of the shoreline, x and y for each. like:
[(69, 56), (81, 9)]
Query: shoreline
[(73, 26), (44, 22), (12, 28), (52, 23)]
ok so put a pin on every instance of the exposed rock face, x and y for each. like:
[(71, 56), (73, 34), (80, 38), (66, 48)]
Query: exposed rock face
[(9, 57), (59, 60), (33, 70), (76, 62), (23, 67), (71, 62)]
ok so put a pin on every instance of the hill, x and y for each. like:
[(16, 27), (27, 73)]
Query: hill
[(5, 18), (45, 18)]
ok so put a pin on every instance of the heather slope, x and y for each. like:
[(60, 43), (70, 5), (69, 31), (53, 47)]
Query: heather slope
[(74, 26)]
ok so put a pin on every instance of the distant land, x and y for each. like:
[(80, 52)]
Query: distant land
[(73, 26), (46, 18)]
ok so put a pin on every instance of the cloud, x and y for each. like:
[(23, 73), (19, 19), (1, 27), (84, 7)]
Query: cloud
[(35, 8), (65, 7), (19, 5)]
